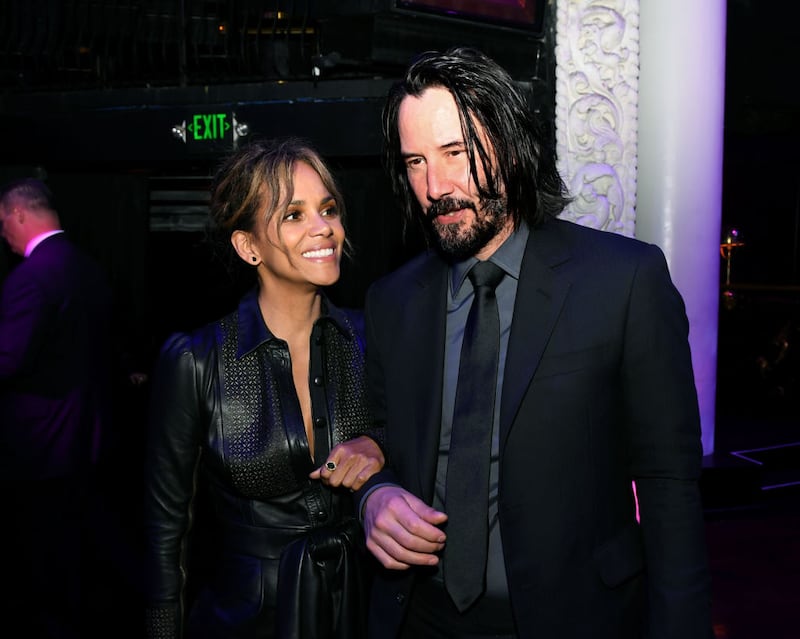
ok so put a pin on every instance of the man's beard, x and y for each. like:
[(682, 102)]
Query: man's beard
[(457, 242)]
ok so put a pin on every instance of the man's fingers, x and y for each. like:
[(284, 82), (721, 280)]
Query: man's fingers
[(398, 549), (396, 533)]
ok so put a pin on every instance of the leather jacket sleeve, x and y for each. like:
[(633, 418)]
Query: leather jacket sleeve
[(173, 454)]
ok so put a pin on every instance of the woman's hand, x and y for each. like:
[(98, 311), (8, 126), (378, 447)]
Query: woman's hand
[(351, 463)]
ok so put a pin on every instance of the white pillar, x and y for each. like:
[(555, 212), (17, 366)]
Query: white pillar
[(680, 143)]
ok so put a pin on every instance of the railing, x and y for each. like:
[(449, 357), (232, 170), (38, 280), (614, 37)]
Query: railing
[(74, 44)]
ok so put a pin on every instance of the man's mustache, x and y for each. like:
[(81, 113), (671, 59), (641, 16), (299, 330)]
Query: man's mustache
[(447, 205)]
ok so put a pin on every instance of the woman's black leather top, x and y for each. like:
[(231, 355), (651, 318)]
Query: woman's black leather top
[(226, 426)]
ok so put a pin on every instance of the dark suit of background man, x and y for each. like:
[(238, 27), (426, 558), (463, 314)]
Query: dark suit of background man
[(595, 389), (55, 309)]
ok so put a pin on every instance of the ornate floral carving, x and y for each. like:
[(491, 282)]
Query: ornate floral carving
[(597, 70)]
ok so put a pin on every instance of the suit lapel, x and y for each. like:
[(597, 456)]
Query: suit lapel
[(425, 352), (541, 293)]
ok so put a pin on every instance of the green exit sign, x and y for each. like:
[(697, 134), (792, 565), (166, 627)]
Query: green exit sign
[(209, 127), (210, 132)]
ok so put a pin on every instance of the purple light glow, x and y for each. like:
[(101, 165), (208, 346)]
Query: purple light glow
[(516, 13)]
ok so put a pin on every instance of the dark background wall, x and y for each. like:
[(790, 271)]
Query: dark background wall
[(759, 330), (90, 92)]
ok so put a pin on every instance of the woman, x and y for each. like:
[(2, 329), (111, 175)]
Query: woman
[(261, 418)]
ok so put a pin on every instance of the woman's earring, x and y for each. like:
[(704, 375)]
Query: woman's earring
[(254, 258)]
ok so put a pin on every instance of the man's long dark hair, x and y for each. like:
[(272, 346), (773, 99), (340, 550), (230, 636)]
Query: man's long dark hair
[(485, 94)]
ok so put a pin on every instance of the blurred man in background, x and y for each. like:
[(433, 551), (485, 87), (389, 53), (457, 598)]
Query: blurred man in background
[(55, 371)]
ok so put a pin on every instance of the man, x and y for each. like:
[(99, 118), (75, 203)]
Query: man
[(594, 391), (55, 310)]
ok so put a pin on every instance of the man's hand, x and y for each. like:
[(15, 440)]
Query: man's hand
[(401, 530)]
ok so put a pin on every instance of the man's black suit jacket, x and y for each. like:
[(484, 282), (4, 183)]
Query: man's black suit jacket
[(598, 391), (55, 350)]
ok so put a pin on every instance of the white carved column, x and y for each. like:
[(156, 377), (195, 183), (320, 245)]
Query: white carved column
[(597, 69), (656, 137)]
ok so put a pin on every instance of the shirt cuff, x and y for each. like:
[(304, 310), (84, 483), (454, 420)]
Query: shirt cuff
[(363, 502)]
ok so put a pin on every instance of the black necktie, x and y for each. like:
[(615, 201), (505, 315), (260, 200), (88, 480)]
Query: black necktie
[(467, 490)]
